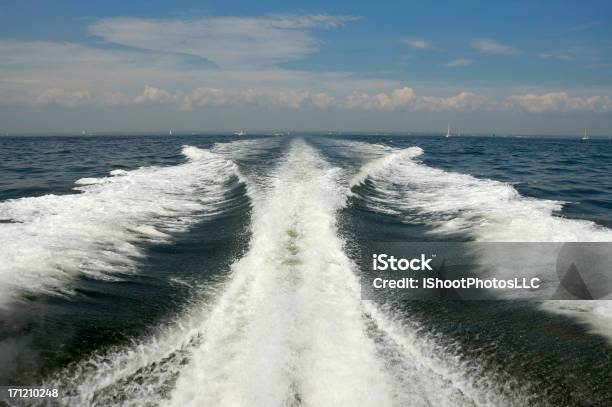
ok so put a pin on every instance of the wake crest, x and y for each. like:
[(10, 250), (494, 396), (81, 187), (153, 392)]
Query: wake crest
[(458, 205), (100, 230)]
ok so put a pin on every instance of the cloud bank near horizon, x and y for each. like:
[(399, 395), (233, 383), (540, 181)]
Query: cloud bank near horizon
[(226, 62), (399, 99)]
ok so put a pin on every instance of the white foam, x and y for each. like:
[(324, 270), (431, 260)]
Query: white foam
[(195, 153), (427, 373), (596, 314), (52, 238), (258, 152), (118, 173), (138, 374), (379, 165), (289, 324), (246, 149), (487, 211), (357, 150), (288, 327)]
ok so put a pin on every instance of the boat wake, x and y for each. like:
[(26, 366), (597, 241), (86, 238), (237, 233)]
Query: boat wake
[(455, 205), (99, 232), (288, 328)]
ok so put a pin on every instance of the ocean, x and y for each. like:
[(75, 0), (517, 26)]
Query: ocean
[(224, 270)]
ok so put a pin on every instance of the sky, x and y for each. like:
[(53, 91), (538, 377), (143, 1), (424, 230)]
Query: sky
[(518, 67)]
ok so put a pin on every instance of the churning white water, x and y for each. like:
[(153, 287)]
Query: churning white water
[(289, 327), (451, 203), (47, 241)]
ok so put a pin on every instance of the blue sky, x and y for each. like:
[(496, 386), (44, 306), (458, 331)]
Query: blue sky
[(514, 66)]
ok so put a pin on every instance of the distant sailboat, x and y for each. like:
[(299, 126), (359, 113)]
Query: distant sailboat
[(170, 132), (448, 133), (240, 133), (586, 135)]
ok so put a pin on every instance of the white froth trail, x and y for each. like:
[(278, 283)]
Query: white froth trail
[(255, 152), (249, 149), (48, 240), (487, 211), (291, 329), (288, 328)]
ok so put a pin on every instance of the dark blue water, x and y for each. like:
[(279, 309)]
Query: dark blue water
[(34, 166), (564, 362), (568, 170), (562, 169)]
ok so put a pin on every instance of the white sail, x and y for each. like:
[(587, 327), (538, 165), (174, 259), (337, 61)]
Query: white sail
[(586, 135), (448, 133)]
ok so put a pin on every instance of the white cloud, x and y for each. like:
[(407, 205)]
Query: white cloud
[(322, 100), (154, 95), (406, 98), (559, 102), (463, 101), (36, 73), (64, 97), (204, 97), (28, 68), (397, 98), (416, 43), (560, 55), (68, 65), (289, 98), (493, 47), (226, 41), (402, 98), (458, 62), (115, 99), (217, 97)]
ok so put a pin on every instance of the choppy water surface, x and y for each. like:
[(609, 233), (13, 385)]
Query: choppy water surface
[(222, 270)]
